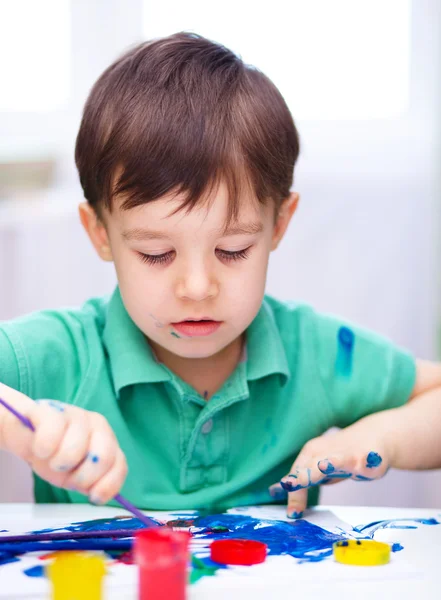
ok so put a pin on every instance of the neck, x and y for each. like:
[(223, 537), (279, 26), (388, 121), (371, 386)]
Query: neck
[(205, 375)]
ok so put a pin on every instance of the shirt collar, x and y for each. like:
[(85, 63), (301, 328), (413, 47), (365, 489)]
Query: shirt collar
[(266, 353), (131, 359)]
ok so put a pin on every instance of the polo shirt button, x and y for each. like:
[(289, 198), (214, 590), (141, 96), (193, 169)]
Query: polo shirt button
[(207, 426)]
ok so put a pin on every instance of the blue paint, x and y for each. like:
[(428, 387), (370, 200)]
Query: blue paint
[(94, 458), (174, 334), (295, 515), (326, 467), (373, 460), (363, 478), (56, 405), (397, 547), (299, 539), (371, 528), (345, 347), (37, 571), (7, 557), (278, 493)]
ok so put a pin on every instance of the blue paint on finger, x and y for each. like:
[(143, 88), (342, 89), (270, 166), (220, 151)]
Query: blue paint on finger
[(278, 493), (94, 457), (328, 469), (363, 478), (345, 347), (373, 460), (294, 515)]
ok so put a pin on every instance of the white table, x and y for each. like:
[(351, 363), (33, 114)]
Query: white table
[(411, 572)]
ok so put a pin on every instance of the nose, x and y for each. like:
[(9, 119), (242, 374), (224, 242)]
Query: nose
[(197, 283)]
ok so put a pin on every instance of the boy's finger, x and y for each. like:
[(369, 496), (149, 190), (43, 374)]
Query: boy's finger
[(297, 502), (109, 485), (302, 477), (73, 448), (50, 425), (338, 467), (98, 460)]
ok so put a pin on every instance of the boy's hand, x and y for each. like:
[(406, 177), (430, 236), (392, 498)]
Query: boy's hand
[(71, 447), (329, 459)]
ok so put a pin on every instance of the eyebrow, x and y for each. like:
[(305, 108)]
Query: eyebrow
[(142, 235)]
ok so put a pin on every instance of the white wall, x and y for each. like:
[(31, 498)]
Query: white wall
[(365, 242)]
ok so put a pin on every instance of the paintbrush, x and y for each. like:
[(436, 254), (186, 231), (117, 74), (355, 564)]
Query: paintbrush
[(118, 498)]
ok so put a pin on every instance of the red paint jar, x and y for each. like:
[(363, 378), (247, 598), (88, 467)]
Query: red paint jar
[(162, 557)]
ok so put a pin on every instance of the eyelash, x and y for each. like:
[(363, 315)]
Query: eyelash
[(162, 259)]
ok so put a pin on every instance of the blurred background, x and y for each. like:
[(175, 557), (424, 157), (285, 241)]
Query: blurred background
[(363, 81)]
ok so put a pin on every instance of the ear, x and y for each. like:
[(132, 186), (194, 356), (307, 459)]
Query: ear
[(286, 211), (96, 231)]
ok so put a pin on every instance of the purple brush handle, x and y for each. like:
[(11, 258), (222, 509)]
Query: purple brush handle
[(68, 535), (120, 499)]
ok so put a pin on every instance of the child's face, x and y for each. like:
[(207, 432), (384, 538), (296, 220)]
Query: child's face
[(190, 286)]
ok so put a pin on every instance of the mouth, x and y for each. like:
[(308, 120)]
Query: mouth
[(197, 327)]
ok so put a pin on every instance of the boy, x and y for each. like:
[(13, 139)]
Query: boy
[(208, 391)]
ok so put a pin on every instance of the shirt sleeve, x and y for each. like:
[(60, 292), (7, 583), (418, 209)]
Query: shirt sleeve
[(361, 372), (9, 369)]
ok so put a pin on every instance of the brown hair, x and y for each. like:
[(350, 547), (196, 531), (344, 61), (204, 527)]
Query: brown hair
[(180, 114)]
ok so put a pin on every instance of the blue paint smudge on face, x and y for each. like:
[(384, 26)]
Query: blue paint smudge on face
[(397, 547), (174, 334), (373, 460), (37, 571), (300, 539), (345, 347)]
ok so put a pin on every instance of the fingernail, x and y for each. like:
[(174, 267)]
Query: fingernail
[(95, 500), (325, 466), (290, 486), (294, 514), (277, 492)]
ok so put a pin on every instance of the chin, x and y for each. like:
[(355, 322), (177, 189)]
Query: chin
[(196, 350)]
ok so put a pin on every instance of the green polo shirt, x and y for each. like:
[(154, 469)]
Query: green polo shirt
[(303, 373)]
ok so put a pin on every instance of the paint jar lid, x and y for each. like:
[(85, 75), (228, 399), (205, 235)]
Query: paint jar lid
[(363, 553), (238, 552), (76, 575)]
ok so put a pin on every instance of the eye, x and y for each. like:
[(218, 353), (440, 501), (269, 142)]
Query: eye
[(232, 255), (156, 259)]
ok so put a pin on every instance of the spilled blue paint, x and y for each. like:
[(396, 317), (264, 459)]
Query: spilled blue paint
[(373, 460), (345, 347), (397, 547), (299, 539), (371, 528), (37, 571), (7, 557)]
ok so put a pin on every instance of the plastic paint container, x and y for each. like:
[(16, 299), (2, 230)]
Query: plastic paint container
[(238, 552), (76, 576), (162, 557)]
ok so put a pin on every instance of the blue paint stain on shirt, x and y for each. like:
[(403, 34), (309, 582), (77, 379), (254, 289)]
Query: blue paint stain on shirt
[(345, 347), (373, 460)]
